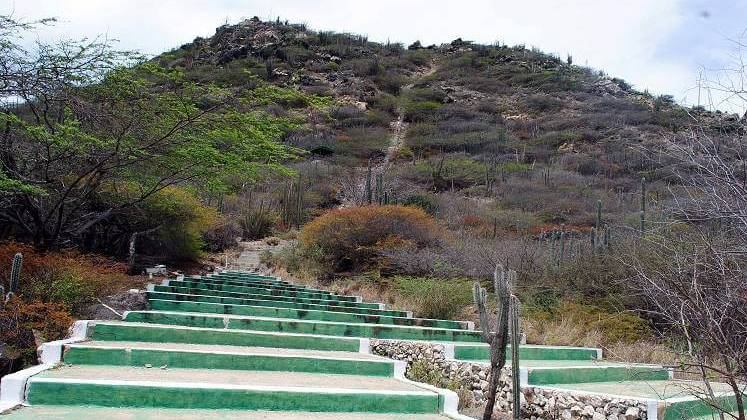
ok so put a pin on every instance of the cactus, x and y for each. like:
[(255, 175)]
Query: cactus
[(369, 193), (562, 246), (15, 276), (515, 331), (497, 336), (643, 207), (269, 69), (600, 233), (293, 204), (379, 189), (546, 176)]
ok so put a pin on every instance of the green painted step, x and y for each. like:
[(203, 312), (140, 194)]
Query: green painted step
[(272, 303), (56, 412), (218, 389), (262, 311), (694, 408), (261, 291), (259, 285), (302, 327), (677, 398), (248, 275), (578, 374), (225, 357), (212, 292), (528, 352), (124, 331), (256, 283)]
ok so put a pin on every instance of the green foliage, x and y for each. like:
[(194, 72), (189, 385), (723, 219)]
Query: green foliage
[(362, 143), (14, 186), (257, 222), (427, 202), (287, 97), (434, 297), (421, 370), (181, 219), (419, 111), (71, 291), (152, 128)]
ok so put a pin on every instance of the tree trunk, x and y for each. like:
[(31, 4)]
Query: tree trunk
[(132, 247), (738, 397), (131, 253)]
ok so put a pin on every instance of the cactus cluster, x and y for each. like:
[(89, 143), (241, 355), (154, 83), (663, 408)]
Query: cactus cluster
[(562, 245), (601, 233), (546, 176), (498, 334), (375, 192), (292, 204)]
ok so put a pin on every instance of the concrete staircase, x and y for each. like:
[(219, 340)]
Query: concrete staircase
[(241, 345)]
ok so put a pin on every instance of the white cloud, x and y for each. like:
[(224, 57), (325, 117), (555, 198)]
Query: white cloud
[(626, 39)]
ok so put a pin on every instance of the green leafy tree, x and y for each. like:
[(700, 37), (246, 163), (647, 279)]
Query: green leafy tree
[(99, 131)]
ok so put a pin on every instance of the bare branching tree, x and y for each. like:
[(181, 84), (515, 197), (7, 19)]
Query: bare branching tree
[(692, 273)]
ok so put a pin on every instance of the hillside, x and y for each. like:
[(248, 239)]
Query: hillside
[(406, 175), (532, 140), (501, 125)]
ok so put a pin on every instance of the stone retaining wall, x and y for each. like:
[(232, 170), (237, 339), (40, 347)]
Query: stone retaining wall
[(537, 402)]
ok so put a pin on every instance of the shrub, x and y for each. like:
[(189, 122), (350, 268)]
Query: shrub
[(385, 102), (352, 238), (222, 235), (421, 370), (256, 223), (570, 323), (421, 111), (183, 220), (67, 278), (390, 82), (435, 298), (363, 143), (24, 325), (543, 103), (427, 202)]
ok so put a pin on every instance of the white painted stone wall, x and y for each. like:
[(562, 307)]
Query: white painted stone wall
[(537, 402)]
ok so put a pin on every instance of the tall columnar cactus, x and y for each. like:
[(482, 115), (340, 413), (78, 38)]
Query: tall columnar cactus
[(600, 233), (369, 193), (561, 256), (380, 189), (643, 207), (15, 276), (515, 330), (495, 332), (293, 204)]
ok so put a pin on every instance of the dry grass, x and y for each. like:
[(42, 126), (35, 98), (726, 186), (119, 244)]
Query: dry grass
[(567, 332)]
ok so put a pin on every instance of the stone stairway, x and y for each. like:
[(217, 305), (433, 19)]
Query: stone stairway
[(242, 345)]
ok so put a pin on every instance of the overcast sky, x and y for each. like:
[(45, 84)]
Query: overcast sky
[(660, 45)]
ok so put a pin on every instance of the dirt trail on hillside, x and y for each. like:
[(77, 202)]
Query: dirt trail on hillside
[(355, 193), (399, 127)]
